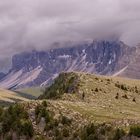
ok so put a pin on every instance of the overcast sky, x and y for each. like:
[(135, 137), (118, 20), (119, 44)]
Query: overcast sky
[(29, 24)]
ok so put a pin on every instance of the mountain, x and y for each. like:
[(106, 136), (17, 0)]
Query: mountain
[(38, 68), (77, 106), (2, 75), (132, 69)]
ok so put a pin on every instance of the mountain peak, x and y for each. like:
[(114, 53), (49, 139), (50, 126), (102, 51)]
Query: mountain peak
[(99, 57)]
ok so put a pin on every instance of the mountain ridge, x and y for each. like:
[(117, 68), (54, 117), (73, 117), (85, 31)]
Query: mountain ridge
[(39, 68)]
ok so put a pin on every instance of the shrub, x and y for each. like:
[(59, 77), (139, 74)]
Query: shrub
[(84, 134), (75, 134), (108, 128), (39, 138), (60, 137), (125, 96), (1, 111), (88, 132), (117, 85), (136, 89), (83, 95), (119, 133), (134, 99), (108, 80), (40, 111), (96, 78), (16, 118), (56, 122), (135, 130), (37, 110), (91, 137), (17, 111), (117, 96), (57, 132), (44, 103), (26, 128), (123, 87), (65, 132), (49, 126), (6, 125), (102, 130), (90, 129), (96, 90), (8, 137), (66, 120)]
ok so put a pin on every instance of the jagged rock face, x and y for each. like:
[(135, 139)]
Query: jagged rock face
[(133, 69), (2, 75), (40, 67)]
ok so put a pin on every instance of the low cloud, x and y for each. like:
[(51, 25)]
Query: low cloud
[(35, 24)]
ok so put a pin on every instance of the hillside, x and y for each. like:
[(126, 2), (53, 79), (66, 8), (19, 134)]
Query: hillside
[(78, 106), (8, 97), (33, 92), (105, 98)]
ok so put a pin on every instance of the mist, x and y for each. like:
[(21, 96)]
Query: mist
[(36, 24)]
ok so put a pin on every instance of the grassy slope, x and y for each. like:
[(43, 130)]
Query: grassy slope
[(102, 106), (8, 97), (99, 104), (35, 92)]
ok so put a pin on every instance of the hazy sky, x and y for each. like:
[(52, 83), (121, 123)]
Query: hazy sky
[(28, 24)]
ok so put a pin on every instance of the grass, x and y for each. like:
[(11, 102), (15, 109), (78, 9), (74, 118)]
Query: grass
[(35, 92), (8, 96), (102, 114), (100, 104)]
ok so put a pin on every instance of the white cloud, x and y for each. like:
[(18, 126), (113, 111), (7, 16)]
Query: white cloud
[(28, 24)]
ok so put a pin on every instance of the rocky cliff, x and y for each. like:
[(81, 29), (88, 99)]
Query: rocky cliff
[(38, 68)]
